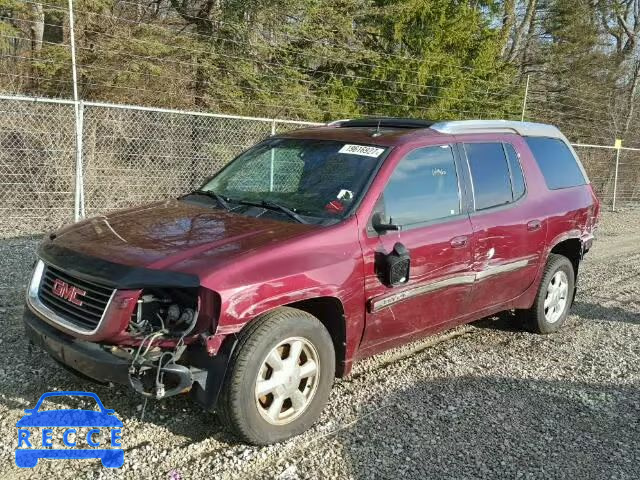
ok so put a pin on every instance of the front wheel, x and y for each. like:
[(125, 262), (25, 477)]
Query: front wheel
[(279, 377), (554, 297)]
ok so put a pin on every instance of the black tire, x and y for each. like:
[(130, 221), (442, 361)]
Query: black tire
[(237, 407), (535, 318)]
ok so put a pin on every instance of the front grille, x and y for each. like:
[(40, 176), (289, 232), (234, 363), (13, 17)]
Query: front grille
[(86, 316)]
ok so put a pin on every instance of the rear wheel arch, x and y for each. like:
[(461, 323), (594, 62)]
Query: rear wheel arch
[(536, 317), (570, 248)]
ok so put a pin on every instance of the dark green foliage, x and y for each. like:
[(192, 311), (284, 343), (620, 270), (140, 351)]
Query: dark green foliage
[(321, 60), (313, 59)]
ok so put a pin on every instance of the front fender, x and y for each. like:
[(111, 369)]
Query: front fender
[(249, 303)]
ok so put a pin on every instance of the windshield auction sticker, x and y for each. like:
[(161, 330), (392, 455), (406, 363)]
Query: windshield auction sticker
[(64, 433), (366, 150)]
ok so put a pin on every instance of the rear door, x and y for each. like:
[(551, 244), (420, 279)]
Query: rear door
[(423, 197), (507, 240)]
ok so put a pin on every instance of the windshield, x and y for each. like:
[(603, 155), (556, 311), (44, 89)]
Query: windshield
[(317, 178)]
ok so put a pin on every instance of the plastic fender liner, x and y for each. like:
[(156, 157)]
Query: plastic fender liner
[(206, 387)]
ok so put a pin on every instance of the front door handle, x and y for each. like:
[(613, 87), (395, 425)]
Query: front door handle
[(459, 242), (534, 225)]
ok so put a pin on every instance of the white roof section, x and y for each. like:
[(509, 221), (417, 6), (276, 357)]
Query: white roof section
[(525, 129)]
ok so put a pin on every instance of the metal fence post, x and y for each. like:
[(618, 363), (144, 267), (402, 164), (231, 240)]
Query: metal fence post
[(273, 132), (80, 157), (79, 183), (615, 177), (524, 101), (79, 111)]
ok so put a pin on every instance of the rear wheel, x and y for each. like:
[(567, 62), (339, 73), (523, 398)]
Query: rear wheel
[(554, 297), (279, 377)]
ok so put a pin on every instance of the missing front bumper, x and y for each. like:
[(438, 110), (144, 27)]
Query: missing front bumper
[(92, 361), (88, 359)]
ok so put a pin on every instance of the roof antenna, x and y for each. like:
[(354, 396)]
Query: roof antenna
[(377, 133)]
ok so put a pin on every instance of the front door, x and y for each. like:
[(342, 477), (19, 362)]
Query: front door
[(423, 198)]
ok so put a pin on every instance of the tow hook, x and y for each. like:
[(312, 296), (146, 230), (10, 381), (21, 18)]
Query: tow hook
[(152, 370), (181, 376)]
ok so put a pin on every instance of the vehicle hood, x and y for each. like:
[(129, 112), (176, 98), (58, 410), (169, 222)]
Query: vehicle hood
[(166, 234), (69, 418)]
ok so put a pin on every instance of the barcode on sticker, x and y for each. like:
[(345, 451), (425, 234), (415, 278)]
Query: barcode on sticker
[(365, 150)]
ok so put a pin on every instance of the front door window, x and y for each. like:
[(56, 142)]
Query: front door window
[(423, 188)]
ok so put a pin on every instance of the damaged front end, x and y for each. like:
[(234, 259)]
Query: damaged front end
[(130, 325), (161, 321)]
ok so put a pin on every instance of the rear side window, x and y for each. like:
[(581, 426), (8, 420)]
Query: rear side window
[(489, 174), (422, 188), (558, 165), (517, 179)]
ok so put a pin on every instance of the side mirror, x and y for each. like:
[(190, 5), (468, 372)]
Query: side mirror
[(379, 225), (394, 267)]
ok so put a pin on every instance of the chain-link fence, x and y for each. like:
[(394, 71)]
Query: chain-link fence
[(37, 166), (135, 155), (628, 185), (613, 172), (131, 156)]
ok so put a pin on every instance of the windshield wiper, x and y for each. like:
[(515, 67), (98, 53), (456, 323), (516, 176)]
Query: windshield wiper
[(216, 196), (275, 206)]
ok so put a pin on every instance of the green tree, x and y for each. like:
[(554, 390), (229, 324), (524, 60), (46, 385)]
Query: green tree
[(441, 58)]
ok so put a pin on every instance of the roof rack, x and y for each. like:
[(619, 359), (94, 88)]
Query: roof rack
[(526, 129), (374, 122)]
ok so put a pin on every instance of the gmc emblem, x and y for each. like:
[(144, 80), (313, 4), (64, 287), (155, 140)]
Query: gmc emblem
[(68, 292)]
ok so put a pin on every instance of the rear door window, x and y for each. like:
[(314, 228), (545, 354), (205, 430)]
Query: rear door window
[(557, 163), (489, 174)]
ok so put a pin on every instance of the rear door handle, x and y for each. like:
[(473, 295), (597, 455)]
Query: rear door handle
[(534, 225), (459, 242)]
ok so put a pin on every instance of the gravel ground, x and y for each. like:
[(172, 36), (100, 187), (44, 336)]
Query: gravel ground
[(481, 401)]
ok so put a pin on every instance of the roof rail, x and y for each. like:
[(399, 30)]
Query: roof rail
[(526, 129), (336, 123), (382, 122)]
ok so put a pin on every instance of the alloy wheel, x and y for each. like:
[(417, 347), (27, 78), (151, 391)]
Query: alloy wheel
[(287, 380), (556, 298)]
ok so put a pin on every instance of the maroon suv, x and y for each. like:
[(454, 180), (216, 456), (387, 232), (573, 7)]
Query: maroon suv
[(309, 251)]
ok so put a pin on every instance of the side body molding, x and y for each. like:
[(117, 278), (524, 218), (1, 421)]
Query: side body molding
[(378, 303)]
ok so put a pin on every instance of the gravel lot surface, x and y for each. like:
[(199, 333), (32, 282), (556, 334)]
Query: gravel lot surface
[(482, 401)]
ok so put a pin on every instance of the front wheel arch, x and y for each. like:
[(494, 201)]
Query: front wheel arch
[(330, 312), (236, 405)]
